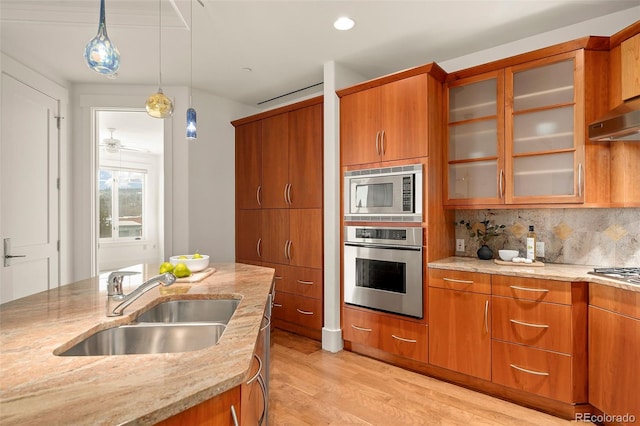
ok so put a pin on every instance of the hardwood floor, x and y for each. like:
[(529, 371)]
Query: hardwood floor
[(310, 386)]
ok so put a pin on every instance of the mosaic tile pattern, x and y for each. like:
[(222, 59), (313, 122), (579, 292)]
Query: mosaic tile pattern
[(603, 237)]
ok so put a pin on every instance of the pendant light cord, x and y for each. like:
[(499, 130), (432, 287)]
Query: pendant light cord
[(190, 50), (160, 44)]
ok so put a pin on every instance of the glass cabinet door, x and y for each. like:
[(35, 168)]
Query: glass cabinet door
[(543, 159), (474, 150)]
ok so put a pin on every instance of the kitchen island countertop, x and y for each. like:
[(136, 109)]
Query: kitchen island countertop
[(38, 387), (550, 271)]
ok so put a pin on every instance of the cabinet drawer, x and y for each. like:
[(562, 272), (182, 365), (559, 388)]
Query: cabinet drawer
[(542, 325), (298, 309), (297, 280), (460, 280), (405, 338), (532, 289), (361, 327), (544, 373)]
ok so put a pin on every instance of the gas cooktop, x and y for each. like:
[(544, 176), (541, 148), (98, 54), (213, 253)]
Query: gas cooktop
[(628, 275)]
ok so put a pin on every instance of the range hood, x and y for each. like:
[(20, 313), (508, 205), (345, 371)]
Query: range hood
[(620, 124)]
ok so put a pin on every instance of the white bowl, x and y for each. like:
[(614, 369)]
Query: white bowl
[(194, 265), (507, 255)]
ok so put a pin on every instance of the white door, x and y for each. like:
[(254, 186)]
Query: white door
[(28, 191)]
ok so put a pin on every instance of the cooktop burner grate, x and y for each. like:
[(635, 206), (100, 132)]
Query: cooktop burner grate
[(627, 274)]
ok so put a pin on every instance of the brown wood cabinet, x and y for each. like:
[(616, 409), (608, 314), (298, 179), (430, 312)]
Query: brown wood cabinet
[(539, 337), (248, 165), (460, 322), (517, 130), (624, 69), (386, 332), (279, 223), (222, 410), (630, 67), (387, 119), (292, 159), (614, 351)]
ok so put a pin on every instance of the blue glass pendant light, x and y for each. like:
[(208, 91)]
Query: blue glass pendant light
[(191, 124), (101, 54), (191, 112)]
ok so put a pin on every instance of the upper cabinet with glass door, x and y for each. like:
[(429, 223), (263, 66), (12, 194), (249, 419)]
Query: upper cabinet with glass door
[(475, 160), (516, 135), (544, 127)]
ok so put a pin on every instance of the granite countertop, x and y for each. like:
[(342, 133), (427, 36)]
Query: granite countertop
[(37, 387), (550, 271)]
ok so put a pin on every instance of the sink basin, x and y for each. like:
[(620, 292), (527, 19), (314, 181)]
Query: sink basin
[(192, 310), (148, 339)]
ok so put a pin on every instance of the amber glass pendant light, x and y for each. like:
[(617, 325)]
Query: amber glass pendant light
[(192, 133), (101, 54), (159, 105)]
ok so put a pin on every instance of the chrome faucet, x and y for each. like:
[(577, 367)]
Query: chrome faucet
[(117, 301)]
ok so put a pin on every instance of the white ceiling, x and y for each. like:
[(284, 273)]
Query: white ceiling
[(285, 43)]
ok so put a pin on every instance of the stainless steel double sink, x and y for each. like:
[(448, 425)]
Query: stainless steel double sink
[(173, 326)]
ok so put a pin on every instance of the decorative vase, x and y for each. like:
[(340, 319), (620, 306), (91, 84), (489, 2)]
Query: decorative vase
[(485, 252)]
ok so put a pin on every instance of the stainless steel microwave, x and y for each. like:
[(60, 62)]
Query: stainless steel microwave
[(384, 194)]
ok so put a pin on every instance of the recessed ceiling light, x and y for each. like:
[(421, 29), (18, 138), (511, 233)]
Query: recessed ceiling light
[(343, 23)]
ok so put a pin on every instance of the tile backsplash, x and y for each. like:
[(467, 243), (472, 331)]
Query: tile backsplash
[(590, 236)]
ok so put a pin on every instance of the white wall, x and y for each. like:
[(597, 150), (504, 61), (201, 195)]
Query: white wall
[(212, 177)]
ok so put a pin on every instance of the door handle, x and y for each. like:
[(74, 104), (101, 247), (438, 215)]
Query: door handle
[(7, 251)]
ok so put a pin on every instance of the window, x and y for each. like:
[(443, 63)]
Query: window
[(122, 207)]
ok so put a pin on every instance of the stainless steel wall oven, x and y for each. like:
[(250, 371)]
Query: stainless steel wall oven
[(383, 269)]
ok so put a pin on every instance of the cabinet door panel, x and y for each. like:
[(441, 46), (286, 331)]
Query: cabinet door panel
[(459, 332), (473, 100), (305, 157), (212, 412), (404, 118), (476, 180), (275, 234), (360, 127), (275, 160), (248, 165), (544, 85), (614, 351), (544, 175), (473, 140), (249, 235), (306, 238)]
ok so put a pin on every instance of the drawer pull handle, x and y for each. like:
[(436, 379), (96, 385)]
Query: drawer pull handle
[(524, 370), (253, 379), (528, 324), (368, 330), (540, 290), (305, 282), (458, 281), (277, 277), (304, 312), (277, 305), (404, 340)]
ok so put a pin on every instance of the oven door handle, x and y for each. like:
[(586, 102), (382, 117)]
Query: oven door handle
[(384, 247)]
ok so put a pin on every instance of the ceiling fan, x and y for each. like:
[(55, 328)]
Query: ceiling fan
[(112, 145)]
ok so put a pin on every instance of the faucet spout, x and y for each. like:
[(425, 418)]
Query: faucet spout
[(116, 303)]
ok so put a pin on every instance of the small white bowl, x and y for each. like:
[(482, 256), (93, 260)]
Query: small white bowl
[(507, 255), (194, 265)]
